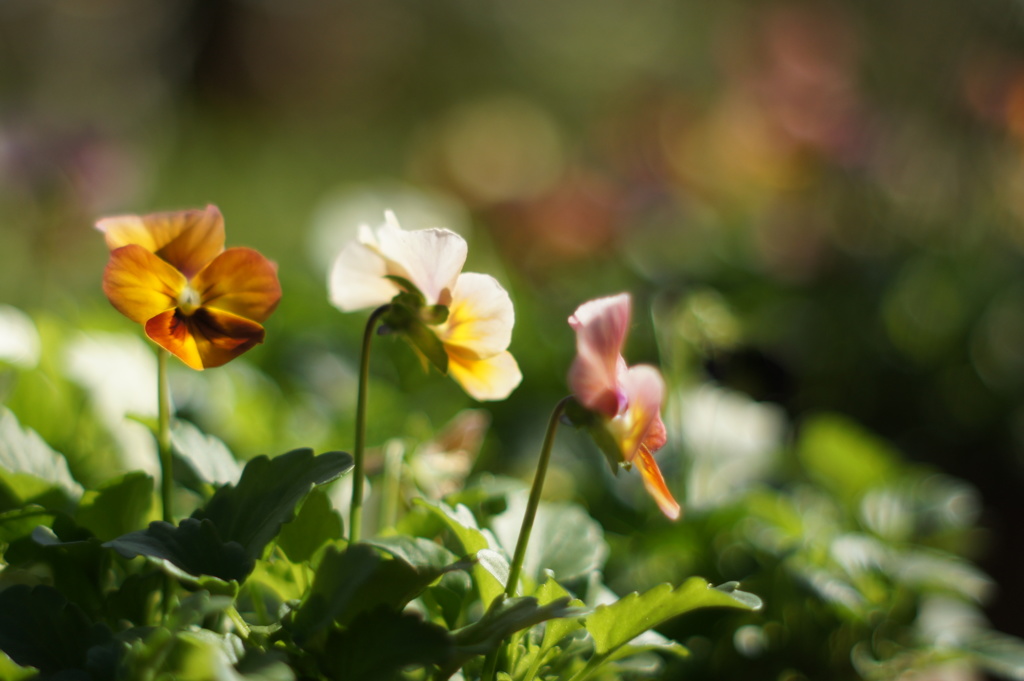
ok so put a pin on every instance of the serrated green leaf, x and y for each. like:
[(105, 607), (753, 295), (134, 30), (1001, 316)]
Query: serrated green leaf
[(191, 551), (316, 523), (380, 643), (265, 498), (418, 552), (207, 458), (615, 625), (358, 580), (487, 575), (120, 506), (24, 456)]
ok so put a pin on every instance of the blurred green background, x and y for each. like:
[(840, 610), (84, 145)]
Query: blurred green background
[(817, 204)]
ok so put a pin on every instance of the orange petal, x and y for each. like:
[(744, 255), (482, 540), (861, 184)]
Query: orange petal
[(240, 281), (171, 331), (206, 339), (641, 422), (655, 483), (139, 284), (188, 239)]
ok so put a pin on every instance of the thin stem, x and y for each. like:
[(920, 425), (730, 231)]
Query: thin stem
[(163, 437), (355, 517), (391, 490), (491, 662), (240, 624), (531, 505)]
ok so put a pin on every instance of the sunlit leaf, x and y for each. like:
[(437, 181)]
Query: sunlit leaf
[(206, 457), (24, 453), (120, 506), (615, 625), (489, 574), (504, 618), (565, 538), (844, 457), (12, 671)]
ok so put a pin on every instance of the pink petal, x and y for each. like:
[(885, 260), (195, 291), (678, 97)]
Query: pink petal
[(594, 377)]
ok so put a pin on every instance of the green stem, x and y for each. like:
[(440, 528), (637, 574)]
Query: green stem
[(163, 437), (240, 624), (491, 662), (531, 505), (355, 517)]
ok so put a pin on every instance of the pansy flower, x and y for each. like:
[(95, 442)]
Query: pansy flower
[(623, 403), (170, 273), (460, 321)]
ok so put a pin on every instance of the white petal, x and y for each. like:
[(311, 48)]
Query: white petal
[(480, 317), (356, 280), (429, 258)]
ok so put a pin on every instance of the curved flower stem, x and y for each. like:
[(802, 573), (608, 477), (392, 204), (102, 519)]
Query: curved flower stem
[(163, 437), (516, 568), (355, 517)]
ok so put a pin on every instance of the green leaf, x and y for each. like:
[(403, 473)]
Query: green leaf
[(40, 628), (265, 498), (419, 553), (20, 522), (491, 572), (358, 580), (206, 458), (565, 538), (12, 671), (120, 506), (29, 467), (504, 618), (316, 523), (615, 625), (189, 551), (844, 457), (380, 643)]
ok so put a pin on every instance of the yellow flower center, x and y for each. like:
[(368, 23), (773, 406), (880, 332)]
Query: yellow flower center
[(189, 300)]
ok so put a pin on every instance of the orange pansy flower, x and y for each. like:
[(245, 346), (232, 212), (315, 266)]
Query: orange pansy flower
[(170, 273)]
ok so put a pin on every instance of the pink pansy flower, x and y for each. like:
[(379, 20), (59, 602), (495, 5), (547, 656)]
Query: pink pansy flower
[(626, 400), (370, 272)]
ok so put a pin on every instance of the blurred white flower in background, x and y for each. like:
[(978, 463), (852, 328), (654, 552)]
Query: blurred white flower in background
[(19, 339), (337, 218), (730, 439), (118, 371)]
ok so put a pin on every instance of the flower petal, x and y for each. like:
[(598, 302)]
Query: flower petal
[(206, 339), (357, 279), (493, 378), (480, 317), (188, 239), (429, 258), (240, 281), (655, 484), (594, 376), (644, 389), (139, 284)]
